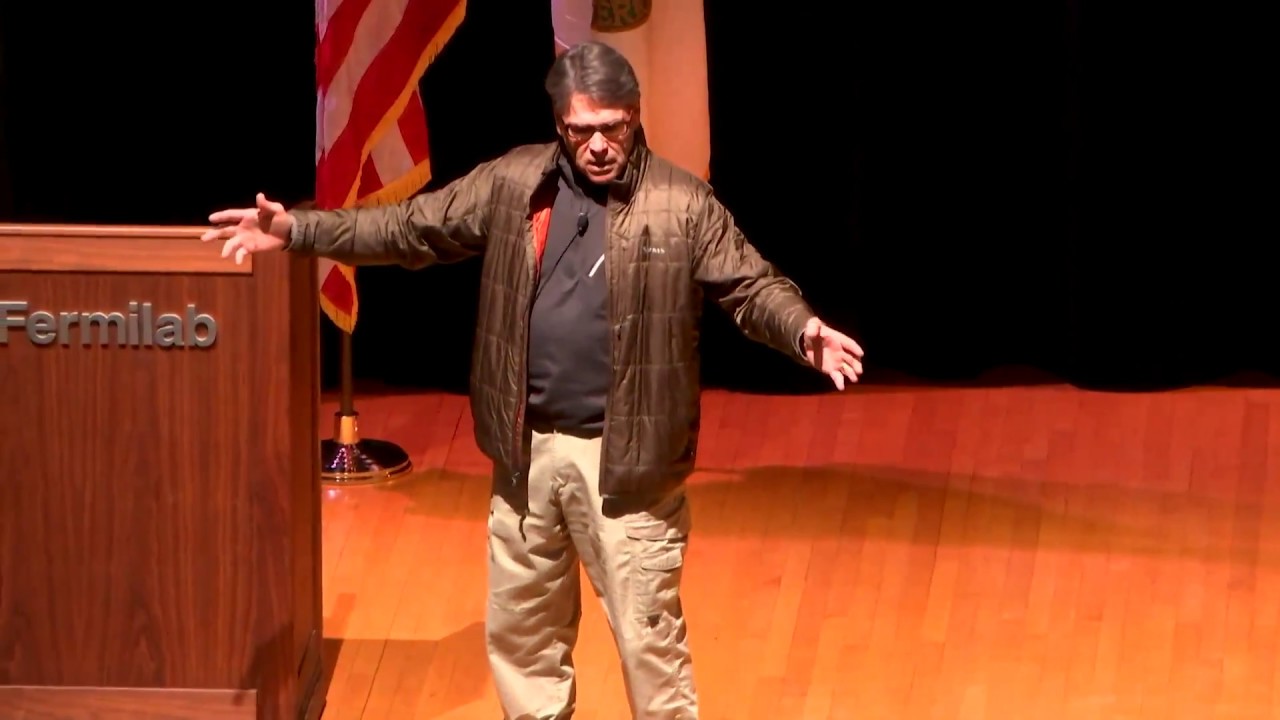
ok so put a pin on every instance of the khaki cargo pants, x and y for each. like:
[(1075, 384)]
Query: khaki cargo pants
[(634, 563)]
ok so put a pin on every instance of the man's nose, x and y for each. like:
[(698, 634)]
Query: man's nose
[(597, 144)]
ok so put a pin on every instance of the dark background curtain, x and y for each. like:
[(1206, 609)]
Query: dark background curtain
[(1083, 189), (6, 194)]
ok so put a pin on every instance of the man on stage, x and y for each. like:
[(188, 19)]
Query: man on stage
[(585, 385)]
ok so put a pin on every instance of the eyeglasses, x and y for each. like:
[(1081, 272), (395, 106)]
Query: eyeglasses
[(614, 131)]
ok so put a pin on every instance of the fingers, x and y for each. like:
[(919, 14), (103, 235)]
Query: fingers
[(269, 206), (234, 246), (236, 228), (838, 379), (815, 330), (235, 215), (840, 360), (231, 217), (220, 233), (851, 371), (237, 249), (852, 367), (845, 342), (849, 368), (850, 346)]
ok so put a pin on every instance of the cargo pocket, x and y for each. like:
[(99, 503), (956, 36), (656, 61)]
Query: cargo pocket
[(658, 549)]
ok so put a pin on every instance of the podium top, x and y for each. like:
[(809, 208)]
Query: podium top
[(113, 248)]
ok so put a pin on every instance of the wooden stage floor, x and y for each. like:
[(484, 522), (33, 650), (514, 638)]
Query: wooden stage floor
[(894, 553)]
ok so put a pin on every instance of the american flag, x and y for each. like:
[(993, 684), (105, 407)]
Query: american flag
[(371, 130)]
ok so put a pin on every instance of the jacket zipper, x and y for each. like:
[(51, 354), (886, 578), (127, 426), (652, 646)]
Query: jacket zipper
[(523, 391), (611, 210)]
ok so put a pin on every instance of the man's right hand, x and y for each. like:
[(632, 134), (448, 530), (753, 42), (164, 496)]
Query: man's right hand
[(251, 230)]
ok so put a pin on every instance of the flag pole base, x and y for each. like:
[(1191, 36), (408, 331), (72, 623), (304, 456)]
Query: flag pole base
[(349, 460)]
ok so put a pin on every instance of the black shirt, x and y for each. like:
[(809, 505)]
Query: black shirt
[(570, 368)]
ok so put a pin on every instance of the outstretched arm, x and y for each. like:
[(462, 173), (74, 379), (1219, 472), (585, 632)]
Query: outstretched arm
[(766, 306), (442, 226)]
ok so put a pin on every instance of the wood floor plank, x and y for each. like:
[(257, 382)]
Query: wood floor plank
[(887, 552)]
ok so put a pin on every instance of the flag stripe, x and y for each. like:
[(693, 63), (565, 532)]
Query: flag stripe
[(371, 136), (390, 158), (374, 35), (325, 10), (370, 178), (413, 128), (337, 290), (337, 33), (397, 68), (338, 298)]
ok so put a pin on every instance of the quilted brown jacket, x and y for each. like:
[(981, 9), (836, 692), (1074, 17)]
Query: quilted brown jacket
[(670, 242)]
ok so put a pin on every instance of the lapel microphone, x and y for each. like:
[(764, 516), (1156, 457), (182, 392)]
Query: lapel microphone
[(583, 223)]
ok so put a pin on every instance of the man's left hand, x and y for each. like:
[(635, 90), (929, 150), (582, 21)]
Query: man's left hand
[(832, 352)]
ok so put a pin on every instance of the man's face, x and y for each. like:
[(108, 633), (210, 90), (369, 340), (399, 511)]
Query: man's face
[(599, 138)]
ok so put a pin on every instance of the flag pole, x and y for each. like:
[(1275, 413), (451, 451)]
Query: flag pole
[(348, 459)]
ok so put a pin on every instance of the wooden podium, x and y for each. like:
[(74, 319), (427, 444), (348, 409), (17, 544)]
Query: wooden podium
[(159, 478)]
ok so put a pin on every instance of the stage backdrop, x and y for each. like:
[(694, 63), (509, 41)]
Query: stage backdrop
[(961, 186)]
